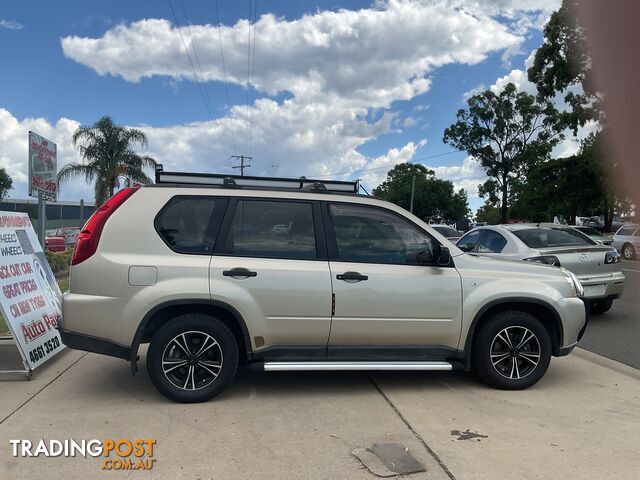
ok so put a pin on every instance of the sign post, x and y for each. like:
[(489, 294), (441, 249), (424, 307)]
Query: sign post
[(43, 171), (30, 298)]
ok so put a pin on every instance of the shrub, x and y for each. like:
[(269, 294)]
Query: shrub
[(59, 261)]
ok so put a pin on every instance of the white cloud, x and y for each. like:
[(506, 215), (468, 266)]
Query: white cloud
[(360, 57), (475, 90), (10, 24), (409, 122), (467, 175)]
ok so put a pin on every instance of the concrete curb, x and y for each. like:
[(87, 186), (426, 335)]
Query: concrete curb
[(607, 363)]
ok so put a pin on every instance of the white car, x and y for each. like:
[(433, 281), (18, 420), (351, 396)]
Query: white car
[(597, 266), (627, 241)]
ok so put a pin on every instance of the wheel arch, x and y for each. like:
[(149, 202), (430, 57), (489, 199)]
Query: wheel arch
[(543, 311), (163, 312)]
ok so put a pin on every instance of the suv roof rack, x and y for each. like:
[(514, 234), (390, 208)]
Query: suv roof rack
[(270, 183)]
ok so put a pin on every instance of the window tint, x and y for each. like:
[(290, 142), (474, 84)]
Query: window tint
[(469, 241), (373, 235), (272, 229), (183, 223), (447, 231), (552, 237), (491, 242), (627, 230)]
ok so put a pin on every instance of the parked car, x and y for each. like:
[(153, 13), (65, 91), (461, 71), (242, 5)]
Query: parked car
[(596, 266), (448, 232), (54, 242), (69, 234), (627, 241), (595, 235), (355, 283)]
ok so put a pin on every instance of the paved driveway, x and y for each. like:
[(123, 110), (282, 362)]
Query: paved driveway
[(580, 421)]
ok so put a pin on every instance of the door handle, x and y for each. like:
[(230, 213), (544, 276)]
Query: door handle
[(353, 276), (239, 272)]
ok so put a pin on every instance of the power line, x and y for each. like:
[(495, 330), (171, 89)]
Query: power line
[(224, 72), (193, 68), (253, 69)]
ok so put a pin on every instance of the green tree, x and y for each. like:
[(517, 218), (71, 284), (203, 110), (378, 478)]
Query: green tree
[(563, 63), (434, 199), (6, 183), (489, 213), (107, 153), (507, 132)]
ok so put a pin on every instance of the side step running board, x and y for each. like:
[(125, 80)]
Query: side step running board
[(302, 366)]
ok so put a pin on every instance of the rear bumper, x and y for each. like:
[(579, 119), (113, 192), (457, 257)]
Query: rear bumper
[(88, 343), (598, 287)]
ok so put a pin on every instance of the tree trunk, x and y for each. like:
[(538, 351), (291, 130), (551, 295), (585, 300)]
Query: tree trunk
[(503, 206)]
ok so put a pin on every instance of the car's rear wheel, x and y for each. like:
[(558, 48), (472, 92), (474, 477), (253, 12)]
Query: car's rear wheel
[(598, 307), (192, 358), (511, 350), (628, 252)]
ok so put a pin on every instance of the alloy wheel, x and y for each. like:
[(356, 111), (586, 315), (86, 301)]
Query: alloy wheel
[(192, 360), (627, 252), (515, 352)]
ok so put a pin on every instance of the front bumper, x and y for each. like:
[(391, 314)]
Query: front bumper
[(88, 343), (603, 286)]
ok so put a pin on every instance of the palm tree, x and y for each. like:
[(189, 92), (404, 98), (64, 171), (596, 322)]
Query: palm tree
[(107, 153)]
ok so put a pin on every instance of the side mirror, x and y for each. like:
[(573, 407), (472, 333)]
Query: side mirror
[(445, 256)]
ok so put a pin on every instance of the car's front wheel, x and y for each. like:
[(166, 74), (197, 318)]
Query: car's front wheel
[(628, 252), (511, 350), (192, 358)]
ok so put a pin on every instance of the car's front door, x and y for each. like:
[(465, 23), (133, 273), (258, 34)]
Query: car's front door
[(270, 263), (387, 305)]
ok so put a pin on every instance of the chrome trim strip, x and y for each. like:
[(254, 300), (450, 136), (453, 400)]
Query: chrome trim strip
[(328, 366)]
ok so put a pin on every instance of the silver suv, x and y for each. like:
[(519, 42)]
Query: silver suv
[(217, 271)]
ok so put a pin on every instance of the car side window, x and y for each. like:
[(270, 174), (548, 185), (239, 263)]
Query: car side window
[(272, 229), (469, 241), (374, 235), (184, 221), (491, 242)]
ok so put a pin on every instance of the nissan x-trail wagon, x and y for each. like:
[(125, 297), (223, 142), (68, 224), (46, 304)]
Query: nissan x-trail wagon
[(216, 271)]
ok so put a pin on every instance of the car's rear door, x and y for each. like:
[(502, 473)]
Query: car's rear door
[(386, 305), (270, 263)]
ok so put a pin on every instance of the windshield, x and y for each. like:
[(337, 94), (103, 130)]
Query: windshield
[(589, 231), (552, 237), (447, 231)]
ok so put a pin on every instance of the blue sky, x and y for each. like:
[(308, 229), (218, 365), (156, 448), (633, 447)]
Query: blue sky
[(344, 89)]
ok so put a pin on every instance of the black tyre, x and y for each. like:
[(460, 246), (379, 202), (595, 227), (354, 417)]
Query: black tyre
[(598, 307), (628, 252), (192, 358), (511, 350)]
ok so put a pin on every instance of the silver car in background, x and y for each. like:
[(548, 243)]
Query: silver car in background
[(597, 266), (595, 235), (627, 241)]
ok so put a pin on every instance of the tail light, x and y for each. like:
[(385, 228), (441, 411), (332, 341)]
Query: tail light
[(545, 259), (89, 236)]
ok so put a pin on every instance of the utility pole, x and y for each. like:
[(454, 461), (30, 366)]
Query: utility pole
[(413, 189), (242, 166)]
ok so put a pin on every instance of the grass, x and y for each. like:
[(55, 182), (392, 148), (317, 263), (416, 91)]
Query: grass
[(63, 283)]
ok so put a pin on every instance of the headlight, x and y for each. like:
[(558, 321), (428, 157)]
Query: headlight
[(574, 283), (546, 259), (612, 257)]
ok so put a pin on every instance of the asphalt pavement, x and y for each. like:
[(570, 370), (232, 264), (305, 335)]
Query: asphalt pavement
[(616, 334)]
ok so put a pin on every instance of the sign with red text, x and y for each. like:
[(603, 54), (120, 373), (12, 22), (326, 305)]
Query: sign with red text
[(29, 295), (43, 167)]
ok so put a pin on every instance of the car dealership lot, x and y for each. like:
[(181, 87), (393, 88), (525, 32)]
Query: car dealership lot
[(305, 425)]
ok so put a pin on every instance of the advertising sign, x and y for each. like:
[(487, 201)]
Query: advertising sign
[(43, 167), (29, 295)]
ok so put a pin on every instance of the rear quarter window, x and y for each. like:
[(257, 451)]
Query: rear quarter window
[(186, 223)]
